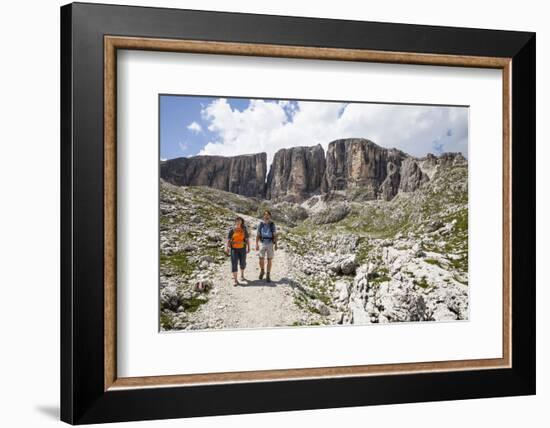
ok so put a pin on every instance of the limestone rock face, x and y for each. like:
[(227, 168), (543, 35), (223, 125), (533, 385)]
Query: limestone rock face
[(431, 163), (296, 173), (412, 177), (391, 184), (451, 159), (243, 175), (359, 163), (247, 175), (353, 168)]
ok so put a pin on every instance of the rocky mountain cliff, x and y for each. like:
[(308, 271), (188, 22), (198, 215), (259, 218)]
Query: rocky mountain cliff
[(243, 175), (381, 173), (354, 167), (296, 173)]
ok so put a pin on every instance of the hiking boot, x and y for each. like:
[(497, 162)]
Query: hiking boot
[(261, 274), (267, 278)]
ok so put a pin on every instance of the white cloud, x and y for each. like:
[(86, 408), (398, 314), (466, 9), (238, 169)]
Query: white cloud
[(194, 127), (270, 126)]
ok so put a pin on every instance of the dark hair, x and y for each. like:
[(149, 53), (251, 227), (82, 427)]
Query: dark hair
[(267, 211), (241, 219)]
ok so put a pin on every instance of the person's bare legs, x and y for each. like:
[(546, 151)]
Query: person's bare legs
[(261, 267), (268, 276), (242, 275)]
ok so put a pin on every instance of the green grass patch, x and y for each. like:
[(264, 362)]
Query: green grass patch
[(458, 279), (177, 262), (363, 253), (379, 279), (433, 262), (166, 321), (192, 304), (300, 301), (422, 283), (460, 264)]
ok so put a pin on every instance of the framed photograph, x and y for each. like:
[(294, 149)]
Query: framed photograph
[(266, 213)]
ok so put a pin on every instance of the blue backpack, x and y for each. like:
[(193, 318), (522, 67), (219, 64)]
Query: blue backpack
[(266, 233)]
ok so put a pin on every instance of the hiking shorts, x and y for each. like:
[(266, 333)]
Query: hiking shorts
[(266, 249), (238, 257)]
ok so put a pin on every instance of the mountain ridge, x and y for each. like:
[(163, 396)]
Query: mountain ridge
[(300, 172)]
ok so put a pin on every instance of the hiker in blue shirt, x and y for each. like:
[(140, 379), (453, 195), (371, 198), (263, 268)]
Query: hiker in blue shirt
[(266, 236)]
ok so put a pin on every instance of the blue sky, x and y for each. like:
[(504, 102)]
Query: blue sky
[(176, 114), (191, 125)]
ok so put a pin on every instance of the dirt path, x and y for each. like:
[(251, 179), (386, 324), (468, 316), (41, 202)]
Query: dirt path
[(254, 303)]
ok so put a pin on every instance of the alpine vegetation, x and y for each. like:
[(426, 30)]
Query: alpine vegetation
[(361, 234)]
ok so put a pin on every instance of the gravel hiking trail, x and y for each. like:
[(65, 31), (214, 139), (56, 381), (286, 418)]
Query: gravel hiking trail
[(254, 303)]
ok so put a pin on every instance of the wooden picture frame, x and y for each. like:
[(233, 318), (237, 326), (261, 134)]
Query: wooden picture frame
[(91, 390)]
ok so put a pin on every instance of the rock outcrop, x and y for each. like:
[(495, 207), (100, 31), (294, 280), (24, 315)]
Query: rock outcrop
[(296, 173), (243, 175), (431, 163), (412, 177), (390, 185), (358, 163)]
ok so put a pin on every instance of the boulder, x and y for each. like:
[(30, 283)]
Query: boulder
[(341, 291), (169, 298), (400, 304), (417, 250), (331, 214), (320, 307), (344, 265), (443, 313), (348, 265)]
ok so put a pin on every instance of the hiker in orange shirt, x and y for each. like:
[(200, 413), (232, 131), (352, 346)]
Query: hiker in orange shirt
[(238, 243)]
